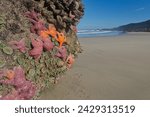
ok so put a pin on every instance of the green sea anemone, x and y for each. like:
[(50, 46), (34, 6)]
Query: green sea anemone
[(2, 62), (8, 50)]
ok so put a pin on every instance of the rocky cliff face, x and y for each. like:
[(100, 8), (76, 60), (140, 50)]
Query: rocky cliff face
[(38, 43)]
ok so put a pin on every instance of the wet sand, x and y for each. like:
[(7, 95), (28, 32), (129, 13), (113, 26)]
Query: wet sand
[(109, 68)]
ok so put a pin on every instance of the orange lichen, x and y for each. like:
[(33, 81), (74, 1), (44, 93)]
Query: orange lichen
[(60, 38), (10, 74)]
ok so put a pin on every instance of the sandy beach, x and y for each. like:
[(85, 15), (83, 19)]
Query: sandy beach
[(115, 67)]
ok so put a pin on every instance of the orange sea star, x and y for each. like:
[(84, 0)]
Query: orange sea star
[(10, 74), (70, 60), (50, 31), (44, 34), (60, 38)]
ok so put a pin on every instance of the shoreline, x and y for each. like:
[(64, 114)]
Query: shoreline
[(122, 34), (113, 68), (100, 34)]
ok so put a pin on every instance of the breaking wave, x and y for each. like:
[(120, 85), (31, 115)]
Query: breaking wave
[(97, 33)]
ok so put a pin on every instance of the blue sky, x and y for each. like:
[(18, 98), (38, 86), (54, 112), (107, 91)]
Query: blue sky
[(112, 13)]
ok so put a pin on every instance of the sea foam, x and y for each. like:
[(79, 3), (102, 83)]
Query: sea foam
[(97, 33)]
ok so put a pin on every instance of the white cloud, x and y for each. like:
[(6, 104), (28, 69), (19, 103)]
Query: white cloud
[(140, 9)]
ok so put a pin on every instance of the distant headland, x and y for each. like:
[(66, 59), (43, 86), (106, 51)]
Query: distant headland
[(135, 27)]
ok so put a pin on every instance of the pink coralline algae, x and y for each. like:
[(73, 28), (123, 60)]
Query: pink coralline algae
[(47, 44), (23, 89), (20, 45), (37, 48), (62, 53)]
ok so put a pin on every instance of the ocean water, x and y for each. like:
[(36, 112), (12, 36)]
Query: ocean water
[(97, 33)]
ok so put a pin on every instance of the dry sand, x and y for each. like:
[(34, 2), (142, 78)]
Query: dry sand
[(109, 68)]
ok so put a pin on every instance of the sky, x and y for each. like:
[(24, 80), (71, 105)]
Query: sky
[(113, 13)]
